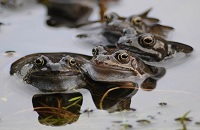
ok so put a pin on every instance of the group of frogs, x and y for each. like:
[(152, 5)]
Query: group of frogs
[(135, 57)]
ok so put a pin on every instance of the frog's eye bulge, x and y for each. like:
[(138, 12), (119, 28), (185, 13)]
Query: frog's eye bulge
[(123, 57), (137, 21), (40, 61), (72, 62), (146, 40), (95, 51)]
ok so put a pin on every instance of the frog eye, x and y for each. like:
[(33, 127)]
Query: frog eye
[(95, 51), (110, 17), (40, 61), (106, 17), (72, 62), (146, 40), (137, 21), (123, 57)]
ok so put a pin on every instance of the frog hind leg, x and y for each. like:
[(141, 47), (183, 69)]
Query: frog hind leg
[(161, 30), (180, 47), (145, 13), (149, 84)]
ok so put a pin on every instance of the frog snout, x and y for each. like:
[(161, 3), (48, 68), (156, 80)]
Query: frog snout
[(55, 66)]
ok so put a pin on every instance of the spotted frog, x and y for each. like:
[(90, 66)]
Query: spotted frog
[(50, 72)]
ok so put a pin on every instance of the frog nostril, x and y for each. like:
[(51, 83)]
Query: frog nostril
[(108, 58), (55, 66), (129, 41)]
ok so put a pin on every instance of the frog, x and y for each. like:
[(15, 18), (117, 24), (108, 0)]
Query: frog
[(50, 72), (122, 65), (144, 24), (153, 49), (115, 70), (140, 22), (114, 24), (67, 13)]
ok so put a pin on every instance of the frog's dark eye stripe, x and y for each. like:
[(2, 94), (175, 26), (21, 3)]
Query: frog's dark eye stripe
[(95, 51), (40, 61), (123, 57), (72, 62), (146, 40)]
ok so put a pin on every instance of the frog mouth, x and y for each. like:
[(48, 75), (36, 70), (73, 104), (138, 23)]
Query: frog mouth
[(52, 74)]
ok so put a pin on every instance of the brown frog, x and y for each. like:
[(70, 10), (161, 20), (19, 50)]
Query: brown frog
[(115, 70), (50, 72), (141, 23), (144, 24), (122, 65), (153, 49), (114, 25), (67, 12)]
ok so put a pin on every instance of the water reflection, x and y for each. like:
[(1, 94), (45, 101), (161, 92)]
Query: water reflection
[(113, 97), (57, 109), (67, 12)]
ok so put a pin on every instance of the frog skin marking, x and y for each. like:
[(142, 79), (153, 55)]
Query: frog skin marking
[(50, 72), (153, 49)]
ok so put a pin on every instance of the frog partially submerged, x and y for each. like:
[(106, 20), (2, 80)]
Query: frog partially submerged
[(153, 49), (120, 70), (121, 65), (141, 23), (114, 24), (50, 72), (67, 12)]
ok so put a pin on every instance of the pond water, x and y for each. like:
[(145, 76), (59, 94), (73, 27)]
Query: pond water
[(25, 32)]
